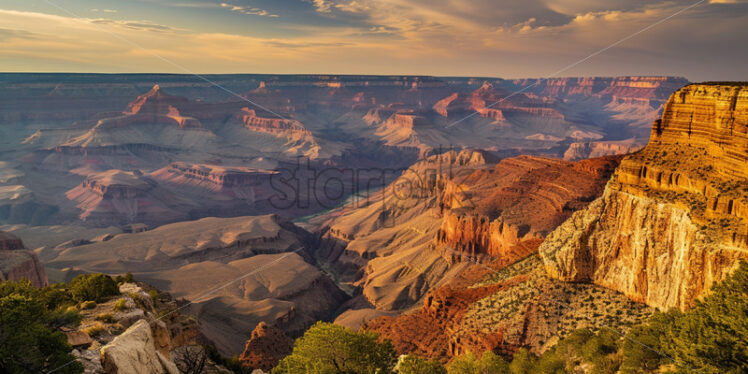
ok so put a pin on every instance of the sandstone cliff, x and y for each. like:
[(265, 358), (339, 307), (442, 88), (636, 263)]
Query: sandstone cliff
[(673, 220), (505, 213)]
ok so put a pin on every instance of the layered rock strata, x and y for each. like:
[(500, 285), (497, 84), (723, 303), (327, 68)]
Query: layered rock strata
[(673, 220)]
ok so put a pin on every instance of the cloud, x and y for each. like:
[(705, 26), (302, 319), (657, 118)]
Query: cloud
[(248, 10), (322, 6), (134, 25), (104, 10), (441, 37), (353, 7)]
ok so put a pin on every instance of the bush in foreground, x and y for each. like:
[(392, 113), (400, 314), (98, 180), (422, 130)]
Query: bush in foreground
[(93, 287), (328, 348), (488, 363), (411, 364), (28, 341)]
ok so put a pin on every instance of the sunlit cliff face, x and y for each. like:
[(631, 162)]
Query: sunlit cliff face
[(672, 220), (515, 38)]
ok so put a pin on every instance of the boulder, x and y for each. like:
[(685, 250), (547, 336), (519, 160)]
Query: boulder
[(78, 339), (134, 352)]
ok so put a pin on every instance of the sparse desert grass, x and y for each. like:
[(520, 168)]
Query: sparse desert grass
[(120, 305), (105, 317), (95, 330)]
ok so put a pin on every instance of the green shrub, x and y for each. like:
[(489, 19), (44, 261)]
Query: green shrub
[(95, 287), (523, 362), (489, 363), (64, 317), (86, 305), (329, 348), (417, 365), (27, 344), (120, 305), (126, 279), (57, 296)]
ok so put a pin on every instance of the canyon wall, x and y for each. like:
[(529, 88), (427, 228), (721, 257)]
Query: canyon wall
[(673, 220), (654, 90)]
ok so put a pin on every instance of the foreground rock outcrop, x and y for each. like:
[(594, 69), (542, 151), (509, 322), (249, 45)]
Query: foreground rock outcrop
[(267, 346), (134, 352), (19, 264), (139, 331), (673, 220)]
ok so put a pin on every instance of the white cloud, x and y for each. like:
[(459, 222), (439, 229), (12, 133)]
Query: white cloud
[(353, 7), (135, 25), (104, 10), (322, 6), (248, 10)]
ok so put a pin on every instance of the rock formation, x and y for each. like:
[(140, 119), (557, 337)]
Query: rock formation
[(270, 123), (117, 197), (134, 352), (420, 231), (650, 90), (139, 331), (673, 219), (10, 242), (266, 347), (583, 150), (505, 213), (18, 264)]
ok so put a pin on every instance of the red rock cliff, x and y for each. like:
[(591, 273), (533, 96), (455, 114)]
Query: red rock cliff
[(674, 218)]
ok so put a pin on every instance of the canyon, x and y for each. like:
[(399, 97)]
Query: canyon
[(666, 227), (127, 132), (446, 214)]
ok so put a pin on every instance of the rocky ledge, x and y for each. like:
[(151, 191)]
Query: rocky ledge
[(141, 331)]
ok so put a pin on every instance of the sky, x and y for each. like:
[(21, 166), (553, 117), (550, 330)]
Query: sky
[(486, 38)]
